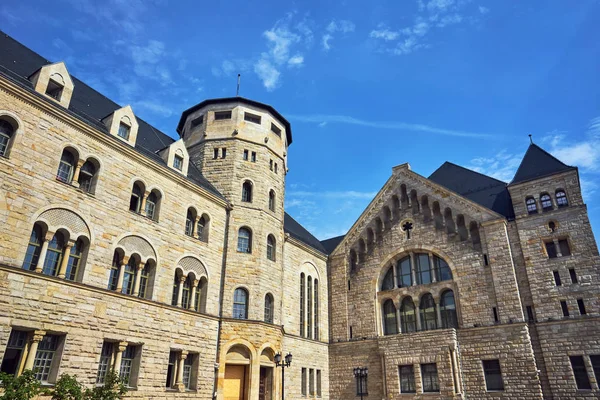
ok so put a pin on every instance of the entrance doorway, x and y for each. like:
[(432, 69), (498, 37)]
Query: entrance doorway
[(235, 379), (265, 389)]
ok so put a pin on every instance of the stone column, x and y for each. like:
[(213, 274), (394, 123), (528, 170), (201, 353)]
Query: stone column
[(33, 347), (398, 323), (193, 295), (138, 275), (195, 227), (179, 385), (122, 274), (438, 312), (180, 290), (143, 205), (413, 269), (120, 349), (40, 262), (62, 272), (75, 180), (418, 317), (455, 369), (433, 269)]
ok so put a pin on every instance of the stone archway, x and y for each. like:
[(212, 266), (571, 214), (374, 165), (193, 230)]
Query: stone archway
[(237, 373)]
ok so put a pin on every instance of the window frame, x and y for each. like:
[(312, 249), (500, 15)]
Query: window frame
[(269, 308), (580, 373), (7, 136), (223, 115), (178, 162), (271, 248), (433, 384), (531, 205), (409, 372), (244, 244), (390, 319), (561, 198), (493, 370), (546, 202), (253, 118), (239, 305)]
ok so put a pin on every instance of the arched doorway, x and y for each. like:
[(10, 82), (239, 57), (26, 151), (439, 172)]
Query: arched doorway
[(267, 365), (237, 368)]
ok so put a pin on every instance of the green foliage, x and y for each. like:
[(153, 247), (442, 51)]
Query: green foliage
[(67, 388), (24, 387), (113, 389)]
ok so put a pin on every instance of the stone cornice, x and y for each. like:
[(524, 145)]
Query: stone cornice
[(69, 118)]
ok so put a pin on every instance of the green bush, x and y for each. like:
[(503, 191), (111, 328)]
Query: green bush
[(24, 387)]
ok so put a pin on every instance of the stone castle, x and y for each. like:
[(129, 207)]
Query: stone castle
[(174, 263)]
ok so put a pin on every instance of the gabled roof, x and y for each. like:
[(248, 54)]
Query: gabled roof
[(331, 244), (19, 62), (479, 188), (297, 231), (538, 163)]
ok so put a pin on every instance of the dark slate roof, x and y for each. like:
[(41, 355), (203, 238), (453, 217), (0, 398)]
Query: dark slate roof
[(482, 189), (18, 62), (288, 128), (297, 231), (331, 244), (538, 163)]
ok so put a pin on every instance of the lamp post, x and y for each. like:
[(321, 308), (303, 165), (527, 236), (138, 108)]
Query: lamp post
[(361, 381), (283, 364)]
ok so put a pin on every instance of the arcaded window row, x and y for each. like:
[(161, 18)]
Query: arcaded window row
[(309, 307), (545, 201)]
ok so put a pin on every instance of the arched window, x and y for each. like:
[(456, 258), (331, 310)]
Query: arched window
[(247, 192), (190, 219), (114, 271), (531, 206), (87, 177), (137, 192), (7, 131), (54, 255), (316, 285), (73, 266), (546, 202), (403, 272), (302, 288), (66, 166), (450, 225), (428, 313), (271, 248), (244, 241), (424, 270), (153, 205), (201, 291), (407, 315), (144, 280), (33, 249), (185, 293), (203, 227), (561, 198), (272, 200), (442, 269), (175, 289), (129, 276), (388, 280), (309, 307), (240, 304), (390, 323), (448, 310), (352, 260), (269, 307)]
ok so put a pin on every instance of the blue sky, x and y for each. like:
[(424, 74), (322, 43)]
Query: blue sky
[(366, 85)]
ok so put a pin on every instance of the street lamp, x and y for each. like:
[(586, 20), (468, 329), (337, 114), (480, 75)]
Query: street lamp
[(286, 363), (361, 381)]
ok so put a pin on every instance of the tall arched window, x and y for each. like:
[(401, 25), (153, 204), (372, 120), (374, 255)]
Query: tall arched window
[(137, 193), (388, 280), (240, 304), (153, 205), (175, 289), (561, 198), (316, 285), (531, 205), (407, 315), (129, 276), (448, 310), (390, 323), (74, 263), (428, 313), (424, 270), (203, 228), (309, 306), (7, 132), (272, 200), (54, 255), (302, 288), (144, 280), (200, 301), (269, 307), (271, 248), (244, 240), (185, 293), (247, 192), (546, 202), (66, 166), (190, 219), (33, 249), (114, 271), (442, 270), (87, 177), (403, 272)]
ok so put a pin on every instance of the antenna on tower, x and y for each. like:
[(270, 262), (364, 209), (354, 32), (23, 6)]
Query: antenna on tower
[(237, 93), (530, 138)]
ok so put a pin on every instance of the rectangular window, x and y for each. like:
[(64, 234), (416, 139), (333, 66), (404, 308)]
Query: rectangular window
[(580, 373), (303, 382), (253, 156), (551, 249), (319, 383), (188, 376), (557, 281), (573, 275), (245, 156), (429, 376), (127, 365), (223, 152), (485, 260), (124, 131), (197, 121), (565, 308), (221, 115), (14, 352), (171, 369), (581, 306), (271, 165), (42, 365), (178, 162), (106, 357), (215, 153), (407, 379), (275, 167), (275, 129), (493, 375), (311, 382), (495, 311), (530, 316), (565, 250), (595, 360), (252, 118), (54, 89)]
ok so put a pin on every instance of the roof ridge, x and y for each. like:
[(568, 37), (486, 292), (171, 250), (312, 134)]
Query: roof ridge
[(470, 170)]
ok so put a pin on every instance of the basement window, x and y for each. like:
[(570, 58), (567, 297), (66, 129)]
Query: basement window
[(54, 89), (252, 118), (221, 115)]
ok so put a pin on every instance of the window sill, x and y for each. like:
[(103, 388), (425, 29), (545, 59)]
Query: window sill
[(143, 216)]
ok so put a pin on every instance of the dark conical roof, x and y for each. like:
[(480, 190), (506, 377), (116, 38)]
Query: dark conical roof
[(538, 163)]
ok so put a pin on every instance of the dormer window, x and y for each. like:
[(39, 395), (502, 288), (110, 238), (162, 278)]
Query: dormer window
[(221, 115), (54, 89), (54, 81), (124, 130), (276, 130), (178, 162), (252, 118)]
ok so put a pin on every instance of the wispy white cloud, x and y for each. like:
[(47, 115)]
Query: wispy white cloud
[(383, 32), (391, 125), (155, 108), (502, 165), (336, 26), (296, 61), (267, 72), (582, 153)]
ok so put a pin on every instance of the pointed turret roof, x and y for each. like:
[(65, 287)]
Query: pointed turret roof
[(538, 163)]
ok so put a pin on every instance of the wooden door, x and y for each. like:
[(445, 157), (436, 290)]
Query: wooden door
[(235, 376)]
